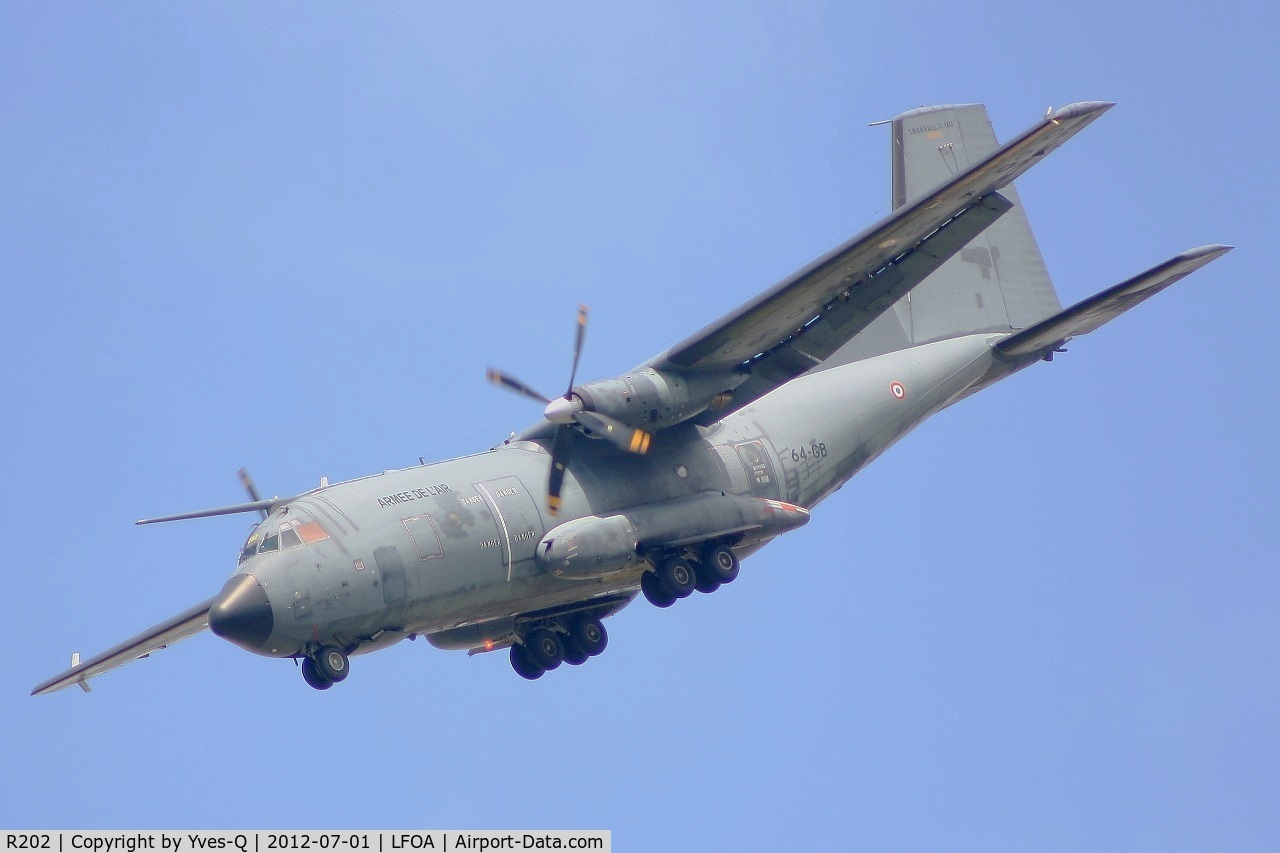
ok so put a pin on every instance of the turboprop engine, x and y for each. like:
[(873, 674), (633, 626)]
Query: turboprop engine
[(595, 546), (649, 399), (622, 411)]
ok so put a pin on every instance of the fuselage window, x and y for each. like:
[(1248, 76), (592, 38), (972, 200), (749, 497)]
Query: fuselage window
[(270, 543), (425, 538)]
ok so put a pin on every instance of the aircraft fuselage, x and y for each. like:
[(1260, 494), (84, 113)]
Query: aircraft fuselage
[(450, 550)]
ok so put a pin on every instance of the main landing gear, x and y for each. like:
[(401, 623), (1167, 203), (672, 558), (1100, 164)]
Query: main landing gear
[(553, 643), (326, 667), (676, 577)]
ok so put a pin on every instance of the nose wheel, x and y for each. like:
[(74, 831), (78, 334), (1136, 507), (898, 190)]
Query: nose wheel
[(326, 668)]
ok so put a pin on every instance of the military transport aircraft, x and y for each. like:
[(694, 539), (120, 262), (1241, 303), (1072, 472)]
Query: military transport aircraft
[(659, 481)]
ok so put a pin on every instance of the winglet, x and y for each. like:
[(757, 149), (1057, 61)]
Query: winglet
[(1084, 317)]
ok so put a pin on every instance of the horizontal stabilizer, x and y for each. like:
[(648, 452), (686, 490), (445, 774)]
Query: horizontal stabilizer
[(170, 631), (1084, 317)]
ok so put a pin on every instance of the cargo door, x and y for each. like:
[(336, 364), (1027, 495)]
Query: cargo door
[(391, 568)]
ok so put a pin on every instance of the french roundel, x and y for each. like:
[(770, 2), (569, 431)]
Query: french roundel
[(896, 389)]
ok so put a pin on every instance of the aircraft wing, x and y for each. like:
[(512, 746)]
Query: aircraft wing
[(170, 631), (792, 327)]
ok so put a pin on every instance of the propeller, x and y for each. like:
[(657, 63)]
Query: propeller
[(247, 482), (568, 411)]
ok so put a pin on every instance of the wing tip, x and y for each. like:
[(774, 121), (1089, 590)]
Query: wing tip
[(46, 687), (1210, 251), (1201, 256), (1081, 109)]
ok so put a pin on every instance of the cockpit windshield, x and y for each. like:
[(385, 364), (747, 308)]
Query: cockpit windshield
[(290, 534)]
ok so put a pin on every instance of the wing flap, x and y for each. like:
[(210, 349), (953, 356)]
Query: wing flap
[(771, 318), (844, 316), (1085, 316), (185, 624)]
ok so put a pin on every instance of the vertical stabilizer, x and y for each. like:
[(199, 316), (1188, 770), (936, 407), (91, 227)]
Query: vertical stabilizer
[(996, 283)]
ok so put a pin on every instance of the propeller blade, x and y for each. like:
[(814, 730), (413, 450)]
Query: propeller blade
[(497, 377), (247, 482), (577, 347), (617, 433), (559, 461)]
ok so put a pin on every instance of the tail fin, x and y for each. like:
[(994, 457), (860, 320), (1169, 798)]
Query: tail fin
[(996, 283)]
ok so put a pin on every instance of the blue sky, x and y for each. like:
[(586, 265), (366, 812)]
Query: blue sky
[(292, 237)]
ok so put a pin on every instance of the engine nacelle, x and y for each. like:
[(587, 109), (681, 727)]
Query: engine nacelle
[(595, 546), (650, 399)]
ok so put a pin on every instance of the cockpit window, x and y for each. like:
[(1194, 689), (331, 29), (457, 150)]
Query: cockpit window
[(251, 546), (292, 534), (310, 532)]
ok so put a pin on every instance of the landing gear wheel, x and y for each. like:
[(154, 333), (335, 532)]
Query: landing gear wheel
[(707, 580), (523, 664), (545, 648), (655, 591), (332, 664), (720, 562), (588, 634), (573, 653), (312, 677), (677, 577)]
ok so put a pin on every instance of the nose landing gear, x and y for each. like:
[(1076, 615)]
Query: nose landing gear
[(326, 667)]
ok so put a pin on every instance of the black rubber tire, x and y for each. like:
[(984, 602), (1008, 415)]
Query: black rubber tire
[(720, 561), (332, 663), (677, 577), (545, 648), (588, 634), (707, 580), (655, 591), (573, 653), (523, 664), (313, 678)]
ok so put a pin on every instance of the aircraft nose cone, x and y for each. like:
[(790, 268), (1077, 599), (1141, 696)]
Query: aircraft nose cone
[(242, 613)]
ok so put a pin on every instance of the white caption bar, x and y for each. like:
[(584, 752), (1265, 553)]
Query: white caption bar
[(311, 840)]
